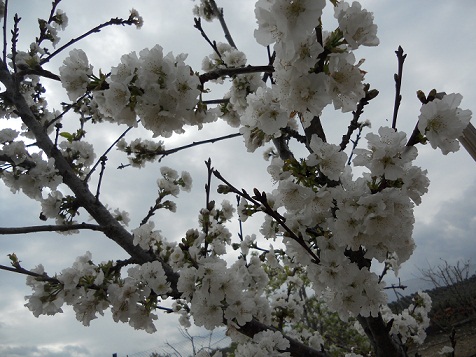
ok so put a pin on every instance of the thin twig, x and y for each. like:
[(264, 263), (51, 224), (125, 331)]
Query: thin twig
[(416, 136), (260, 200), (354, 123), (213, 44), (216, 101), (240, 234), (5, 17), (20, 270), (114, 21), (15, 34), (196, 143), (219, 14), (106, 152), (354, 144), (398, 85), (43, 29), (209, 205), (49, 228), (222, 72), (152, 210), (65, 111), (101, 174)]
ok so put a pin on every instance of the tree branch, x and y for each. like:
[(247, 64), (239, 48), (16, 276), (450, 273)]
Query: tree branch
[(164, 153), (354, 123), (282, 148), (222, 72), (213, 44), (314, 128), (105, 153), (219, 14), (27, 164), (114, 21), (378, 333), (398, 85), (18, 269), (5, 17), (50, 228), (260, 200), (196, 143)]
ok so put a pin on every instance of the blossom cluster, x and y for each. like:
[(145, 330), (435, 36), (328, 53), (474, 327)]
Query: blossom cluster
[(267, 343), (21, 170), (141, 150), (373, 212), (75, 74), (91, 289), (159, 89), (443, 122), (412, 322), (309, 74), (216, 292)]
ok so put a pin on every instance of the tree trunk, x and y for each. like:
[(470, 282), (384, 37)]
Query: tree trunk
[(383, 343)]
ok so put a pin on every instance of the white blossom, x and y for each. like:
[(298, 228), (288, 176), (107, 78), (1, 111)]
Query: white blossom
[(443, 122), (330, 159), (286, 23), (75, 73), (145, 236), (356, 24), (264, 112), (387, 154)]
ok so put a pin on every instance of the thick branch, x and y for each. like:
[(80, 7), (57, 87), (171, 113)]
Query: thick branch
[(468, 139), (26, 164), (378, 333), (314, 128), (282, 147)]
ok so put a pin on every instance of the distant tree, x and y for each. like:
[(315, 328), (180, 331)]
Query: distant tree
[(320, 220), (456, 286)]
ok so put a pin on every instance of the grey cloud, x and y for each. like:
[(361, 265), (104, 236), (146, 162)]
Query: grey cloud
[(36, 351)]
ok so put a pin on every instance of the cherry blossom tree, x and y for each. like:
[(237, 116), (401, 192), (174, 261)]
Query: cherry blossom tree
[(324, 227)]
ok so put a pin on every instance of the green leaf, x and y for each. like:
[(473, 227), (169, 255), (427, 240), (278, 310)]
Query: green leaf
[(67, 136)]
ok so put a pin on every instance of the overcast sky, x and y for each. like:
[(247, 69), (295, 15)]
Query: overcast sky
[(438, 39)]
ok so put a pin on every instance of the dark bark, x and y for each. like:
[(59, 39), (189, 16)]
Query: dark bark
[(383, 344)]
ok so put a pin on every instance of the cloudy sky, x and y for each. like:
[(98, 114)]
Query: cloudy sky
[(438, 39)]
